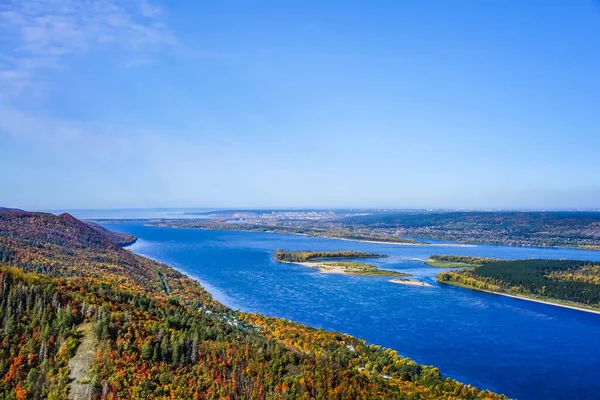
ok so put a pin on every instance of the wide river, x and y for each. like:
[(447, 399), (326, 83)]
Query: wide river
[(520, 348)]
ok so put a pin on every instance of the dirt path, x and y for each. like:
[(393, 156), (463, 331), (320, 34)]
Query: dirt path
[(80, 364)]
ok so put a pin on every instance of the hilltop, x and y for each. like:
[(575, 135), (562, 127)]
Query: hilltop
[(64, 246)]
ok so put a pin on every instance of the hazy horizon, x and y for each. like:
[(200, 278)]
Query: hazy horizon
[(275, 208), (354, 104)]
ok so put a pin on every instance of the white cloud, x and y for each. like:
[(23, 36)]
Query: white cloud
[(40, 35), (36, 35), (62, 136)]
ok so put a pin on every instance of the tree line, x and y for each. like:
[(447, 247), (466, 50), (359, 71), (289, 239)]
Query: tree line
[(304, 256)]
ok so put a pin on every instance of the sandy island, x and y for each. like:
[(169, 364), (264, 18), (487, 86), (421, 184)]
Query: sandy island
[(322, 266), (330, 267), (409, 282)]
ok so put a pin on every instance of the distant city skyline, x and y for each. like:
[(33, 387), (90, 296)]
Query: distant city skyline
[(354, 104)]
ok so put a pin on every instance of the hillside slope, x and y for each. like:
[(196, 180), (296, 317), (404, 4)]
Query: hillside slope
[(160, 335), (63, 246)]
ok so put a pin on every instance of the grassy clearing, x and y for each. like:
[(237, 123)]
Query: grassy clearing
[(80, 364)]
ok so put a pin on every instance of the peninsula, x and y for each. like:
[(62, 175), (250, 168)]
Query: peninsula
[(567, 283)]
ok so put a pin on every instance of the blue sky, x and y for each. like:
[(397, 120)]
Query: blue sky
[(457, 104)]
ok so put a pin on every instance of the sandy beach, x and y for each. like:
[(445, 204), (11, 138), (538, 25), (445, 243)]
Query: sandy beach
[(321, 266), (329, 267), (525, 298), (545, 302), (409, 282), (324, 268)]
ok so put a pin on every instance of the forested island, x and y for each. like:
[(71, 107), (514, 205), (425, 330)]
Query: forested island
[(563, 282), (155, 333), (321, 260), (303, 256)]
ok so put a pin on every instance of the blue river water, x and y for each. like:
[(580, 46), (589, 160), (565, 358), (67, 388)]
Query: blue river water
[(523, 349)]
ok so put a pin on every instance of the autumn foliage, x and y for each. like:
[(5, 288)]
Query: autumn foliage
[(161, 336)]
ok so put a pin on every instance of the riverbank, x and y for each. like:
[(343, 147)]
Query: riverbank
[(401, 243), (288, 231), (522, 297), (129, 243), (447, 264)]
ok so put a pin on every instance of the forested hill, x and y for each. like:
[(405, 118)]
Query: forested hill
[(64, 246), (159, 335)]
